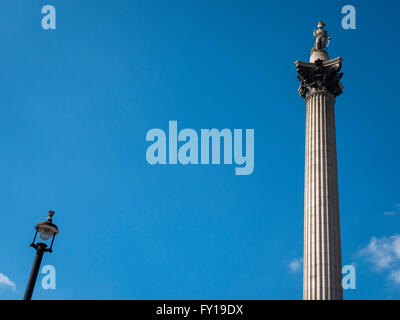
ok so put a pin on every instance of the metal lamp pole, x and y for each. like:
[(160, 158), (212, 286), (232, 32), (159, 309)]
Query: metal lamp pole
[(46, 230), (40, 249)]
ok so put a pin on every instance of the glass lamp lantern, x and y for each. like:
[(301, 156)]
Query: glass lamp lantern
[(47, 230)]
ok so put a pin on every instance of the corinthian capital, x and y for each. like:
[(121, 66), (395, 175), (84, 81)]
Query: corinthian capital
[(320, 76)]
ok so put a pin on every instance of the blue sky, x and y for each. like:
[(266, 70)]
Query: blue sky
[(78, 101)]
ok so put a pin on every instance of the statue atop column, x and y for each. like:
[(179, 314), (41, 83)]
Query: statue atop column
[(322, 39), (321, 36)]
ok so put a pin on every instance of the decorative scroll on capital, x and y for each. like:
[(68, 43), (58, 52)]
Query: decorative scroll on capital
[(320, 76)]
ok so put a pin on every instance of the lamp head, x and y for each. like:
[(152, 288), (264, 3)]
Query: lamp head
[(46, 229)]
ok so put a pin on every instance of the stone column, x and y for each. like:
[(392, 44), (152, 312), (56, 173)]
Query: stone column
[(322, 269), (322, 256)]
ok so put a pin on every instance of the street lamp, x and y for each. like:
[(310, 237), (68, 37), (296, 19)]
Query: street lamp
[(47, 230)]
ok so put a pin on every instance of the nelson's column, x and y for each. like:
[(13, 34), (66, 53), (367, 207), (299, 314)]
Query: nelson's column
[(319, 86)]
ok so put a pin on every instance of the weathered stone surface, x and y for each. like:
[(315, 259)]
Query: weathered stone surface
[(319, 55), (321, 75), (322, 272)]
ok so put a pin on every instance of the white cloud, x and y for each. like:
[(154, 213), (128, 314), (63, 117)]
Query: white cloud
[(6, 282), (394, 212), (295, 265), (391, 213), (395, 276), (384, 254), (381, 251)]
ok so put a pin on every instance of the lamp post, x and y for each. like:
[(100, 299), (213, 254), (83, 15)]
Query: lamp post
[(47, 230)]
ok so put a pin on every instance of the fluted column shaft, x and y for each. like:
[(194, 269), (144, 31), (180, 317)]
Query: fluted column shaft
[(322, 247)]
